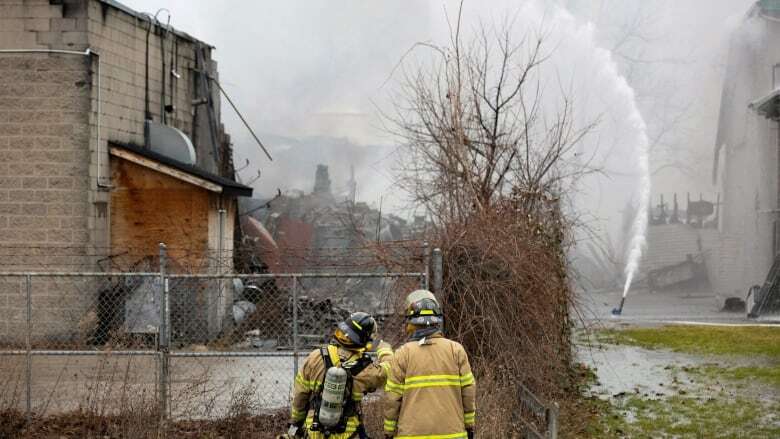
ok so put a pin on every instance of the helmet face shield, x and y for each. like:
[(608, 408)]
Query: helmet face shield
[(426, 320), (424, 311)]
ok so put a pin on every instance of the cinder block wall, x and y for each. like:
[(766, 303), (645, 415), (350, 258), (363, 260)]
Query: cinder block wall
[(54, 202), (121, 41), (45, 140)]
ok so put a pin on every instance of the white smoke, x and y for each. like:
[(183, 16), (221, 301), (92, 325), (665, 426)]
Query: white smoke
[(599, 77)]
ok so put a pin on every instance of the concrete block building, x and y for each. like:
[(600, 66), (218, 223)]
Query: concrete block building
[(110, 143)]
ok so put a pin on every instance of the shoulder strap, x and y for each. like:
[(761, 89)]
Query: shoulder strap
[(362, 363), (326, 357)]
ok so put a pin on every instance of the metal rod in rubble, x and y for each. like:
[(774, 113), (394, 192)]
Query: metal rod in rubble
[(438, 271), (295, 325), (427, 266), (163, 335), (28, 371)]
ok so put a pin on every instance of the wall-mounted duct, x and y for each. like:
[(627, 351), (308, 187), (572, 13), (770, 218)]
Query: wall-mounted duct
[(170, 142)]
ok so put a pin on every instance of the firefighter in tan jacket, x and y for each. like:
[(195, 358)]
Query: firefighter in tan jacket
[(351, 339), (430, 391)]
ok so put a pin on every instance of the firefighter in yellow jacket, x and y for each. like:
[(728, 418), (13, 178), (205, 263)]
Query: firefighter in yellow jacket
[(347, 351), (430, 390)]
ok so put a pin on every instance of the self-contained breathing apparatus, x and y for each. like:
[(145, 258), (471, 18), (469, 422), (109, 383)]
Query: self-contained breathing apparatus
[(333, 402)]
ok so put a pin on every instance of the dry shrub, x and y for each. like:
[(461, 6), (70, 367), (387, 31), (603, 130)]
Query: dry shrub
[(506, 298), (84, 425)]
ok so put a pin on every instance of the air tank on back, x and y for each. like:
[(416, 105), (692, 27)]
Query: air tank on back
[(333, 396)]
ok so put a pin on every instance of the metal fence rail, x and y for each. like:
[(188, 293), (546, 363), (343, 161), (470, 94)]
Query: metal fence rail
[(536, 415), (187, 344)]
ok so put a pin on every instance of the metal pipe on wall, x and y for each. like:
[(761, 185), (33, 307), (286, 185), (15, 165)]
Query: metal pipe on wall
[(88, 52)]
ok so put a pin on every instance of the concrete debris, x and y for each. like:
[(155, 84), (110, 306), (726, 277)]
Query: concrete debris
[(688, 273)]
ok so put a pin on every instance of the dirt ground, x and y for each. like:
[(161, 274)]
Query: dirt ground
[(201, 388)]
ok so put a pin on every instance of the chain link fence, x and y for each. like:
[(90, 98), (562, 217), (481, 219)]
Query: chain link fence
[(191, 346)]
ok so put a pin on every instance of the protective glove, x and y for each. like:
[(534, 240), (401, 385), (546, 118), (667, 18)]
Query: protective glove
[(294, 430), (470, 434)]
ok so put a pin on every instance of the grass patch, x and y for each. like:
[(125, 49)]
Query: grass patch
[(702, 340), (768, 375), (683, 417), (683, 414)]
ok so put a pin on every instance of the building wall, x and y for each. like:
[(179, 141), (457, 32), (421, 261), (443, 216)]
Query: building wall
[(671, 243), (44, 155), (149, 208), (748, 174), (55, 205), (121, 41)]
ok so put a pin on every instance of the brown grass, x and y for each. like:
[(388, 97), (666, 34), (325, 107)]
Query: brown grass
[(87, 425)]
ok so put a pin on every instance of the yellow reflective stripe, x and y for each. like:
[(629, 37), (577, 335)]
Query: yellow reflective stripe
[(357, 324), (431, 377), (469, 418), (385, 367), (422, 381), (390, 386), (297, 415), (464, 380), (381, 352), (390, 425), (310, 385), (357, 396), (461, 435), (432, 384)]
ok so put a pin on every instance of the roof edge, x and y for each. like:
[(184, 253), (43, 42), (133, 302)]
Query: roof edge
[(229, 187), (143, 16)]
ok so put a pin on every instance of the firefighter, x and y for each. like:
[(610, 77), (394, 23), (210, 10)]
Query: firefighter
[(347, 351), (430, 391)]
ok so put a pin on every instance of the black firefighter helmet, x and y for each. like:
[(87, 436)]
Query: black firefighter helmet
[(356, 332)]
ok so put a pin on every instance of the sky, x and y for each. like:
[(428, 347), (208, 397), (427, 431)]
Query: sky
[(313, 77)]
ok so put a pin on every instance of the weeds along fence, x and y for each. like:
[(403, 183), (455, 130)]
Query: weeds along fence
[(186, 346)]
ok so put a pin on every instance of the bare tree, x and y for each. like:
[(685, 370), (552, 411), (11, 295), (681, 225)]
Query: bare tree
[(475, 129), (488, 152)]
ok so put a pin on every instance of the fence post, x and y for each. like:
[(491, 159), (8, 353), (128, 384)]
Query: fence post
[(295, 325), (427, 266), (552, 421), (164, 340), (438, 271), (222, 302), (28, 342)]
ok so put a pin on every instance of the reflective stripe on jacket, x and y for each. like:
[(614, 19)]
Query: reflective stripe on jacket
[(430, 391), (311, 376)]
